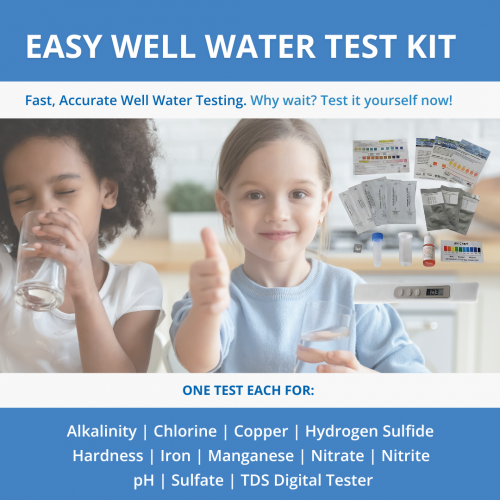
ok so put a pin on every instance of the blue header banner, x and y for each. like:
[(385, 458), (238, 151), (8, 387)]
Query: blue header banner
[(260, 40)]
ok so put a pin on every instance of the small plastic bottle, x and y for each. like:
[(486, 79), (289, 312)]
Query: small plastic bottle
[(405, 249), (377, 239), (429, 251)]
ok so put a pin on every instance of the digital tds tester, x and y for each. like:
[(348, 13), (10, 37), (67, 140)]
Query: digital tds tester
[(387, 293)]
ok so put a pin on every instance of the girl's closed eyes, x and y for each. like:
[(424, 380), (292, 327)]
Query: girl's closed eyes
[(59, 192), (21, 201)]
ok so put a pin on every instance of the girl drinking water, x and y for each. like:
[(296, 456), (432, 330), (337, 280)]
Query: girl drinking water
[(274, 191), (91, 179)]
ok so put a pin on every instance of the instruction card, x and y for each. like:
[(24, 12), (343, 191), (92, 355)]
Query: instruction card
[(462, 251), (422, 156), (381, 157)]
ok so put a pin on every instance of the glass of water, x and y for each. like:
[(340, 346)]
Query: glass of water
[(40, 281), (325, 327)]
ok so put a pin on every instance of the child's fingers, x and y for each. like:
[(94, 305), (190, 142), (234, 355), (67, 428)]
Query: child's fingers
[(70, 215), (334, 369), (212, 296), (209, 278), (63, 219), (209, 267), (344, 358), (211, 244), (61, 233), (202, 283), (56, 252), (310, 355)]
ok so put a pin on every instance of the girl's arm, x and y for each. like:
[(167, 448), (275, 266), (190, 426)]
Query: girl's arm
[(382, 342), (124, 349), (197, 342), (101, 348)]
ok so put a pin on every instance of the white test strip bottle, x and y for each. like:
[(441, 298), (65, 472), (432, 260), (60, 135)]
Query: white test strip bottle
[(377, 239)]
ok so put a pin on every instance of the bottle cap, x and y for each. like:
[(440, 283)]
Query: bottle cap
[(405, 236), (377, 237), (428, 239)]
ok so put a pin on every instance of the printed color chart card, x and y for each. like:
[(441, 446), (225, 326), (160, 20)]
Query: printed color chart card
[(466, 163), (422, 156), (462, 251), (381, 157)]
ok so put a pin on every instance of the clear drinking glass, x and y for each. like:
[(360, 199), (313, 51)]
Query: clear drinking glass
[(40, 281), (325, 327)]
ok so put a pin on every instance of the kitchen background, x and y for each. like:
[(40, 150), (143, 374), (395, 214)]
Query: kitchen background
[(453, 337)]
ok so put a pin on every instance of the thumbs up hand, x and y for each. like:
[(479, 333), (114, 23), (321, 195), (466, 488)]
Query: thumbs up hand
[(209, 278)]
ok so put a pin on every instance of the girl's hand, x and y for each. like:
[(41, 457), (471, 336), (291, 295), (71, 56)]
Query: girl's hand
[(75, 255), (342, 362), (209, 278)]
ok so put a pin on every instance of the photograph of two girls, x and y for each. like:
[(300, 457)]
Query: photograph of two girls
[(70, 189)]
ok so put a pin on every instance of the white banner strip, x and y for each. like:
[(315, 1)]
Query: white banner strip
[(326, 391), (249, 99)]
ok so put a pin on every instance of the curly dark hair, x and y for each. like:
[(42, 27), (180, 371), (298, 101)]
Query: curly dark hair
[(120, 150)]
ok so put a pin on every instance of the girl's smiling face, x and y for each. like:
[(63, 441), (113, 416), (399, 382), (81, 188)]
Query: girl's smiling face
[(275, 200), (49, 173)]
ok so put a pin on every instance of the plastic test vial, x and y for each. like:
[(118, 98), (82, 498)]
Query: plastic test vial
[(377, 239), (405, 241)]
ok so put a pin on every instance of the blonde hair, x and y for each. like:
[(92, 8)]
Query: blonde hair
[(249, 135)]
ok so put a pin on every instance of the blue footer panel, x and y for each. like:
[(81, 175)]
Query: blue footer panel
[(249, 453)]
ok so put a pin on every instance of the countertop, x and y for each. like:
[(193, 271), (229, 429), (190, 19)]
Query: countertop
[(169, 257)]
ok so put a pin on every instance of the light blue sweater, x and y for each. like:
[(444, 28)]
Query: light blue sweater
[(261, 327)]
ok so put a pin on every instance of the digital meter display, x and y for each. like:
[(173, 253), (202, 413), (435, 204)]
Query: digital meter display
[(419, 292)]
